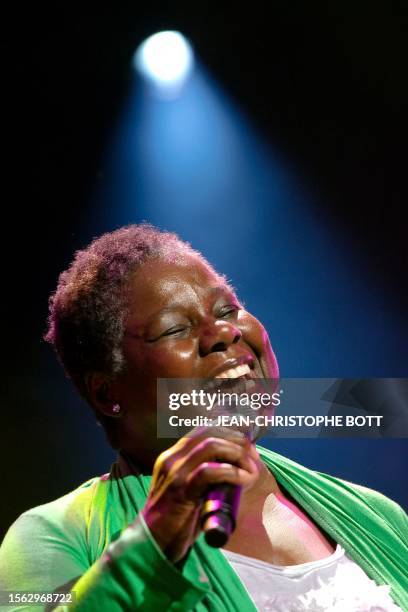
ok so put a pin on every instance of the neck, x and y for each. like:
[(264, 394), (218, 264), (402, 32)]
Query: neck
[(264, 486), (136, 466)]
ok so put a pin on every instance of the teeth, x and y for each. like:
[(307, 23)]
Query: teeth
[(235, 372)]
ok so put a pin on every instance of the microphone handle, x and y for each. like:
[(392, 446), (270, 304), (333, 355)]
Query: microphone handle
[(219, 513)]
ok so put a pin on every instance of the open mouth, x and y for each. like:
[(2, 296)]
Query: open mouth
[(237, 379), (240, 371)]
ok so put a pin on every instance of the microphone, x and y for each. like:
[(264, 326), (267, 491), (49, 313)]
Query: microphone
[(219, 512)]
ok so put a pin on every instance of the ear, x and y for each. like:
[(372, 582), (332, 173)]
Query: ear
[(100, 392)]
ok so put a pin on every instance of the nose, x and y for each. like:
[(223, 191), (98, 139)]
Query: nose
[(218, 336)]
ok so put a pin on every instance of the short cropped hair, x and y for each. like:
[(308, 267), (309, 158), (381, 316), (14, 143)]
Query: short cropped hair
[(88, 308)]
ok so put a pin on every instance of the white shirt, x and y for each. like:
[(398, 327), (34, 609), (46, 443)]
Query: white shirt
[(335, 584)]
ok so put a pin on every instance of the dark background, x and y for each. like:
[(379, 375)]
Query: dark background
[(325, 83)]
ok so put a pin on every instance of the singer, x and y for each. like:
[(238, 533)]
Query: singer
[(140, 304)]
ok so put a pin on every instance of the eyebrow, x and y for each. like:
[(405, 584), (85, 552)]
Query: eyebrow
[(213, 291), (222, 289)]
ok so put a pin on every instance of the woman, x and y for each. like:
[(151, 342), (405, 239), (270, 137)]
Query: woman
[(137, 305)]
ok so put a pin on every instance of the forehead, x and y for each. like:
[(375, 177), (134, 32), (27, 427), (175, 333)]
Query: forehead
[(159, 283)]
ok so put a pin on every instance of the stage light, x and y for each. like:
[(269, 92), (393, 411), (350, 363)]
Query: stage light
[(165, 59)]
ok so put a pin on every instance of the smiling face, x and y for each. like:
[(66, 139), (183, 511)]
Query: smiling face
[(183, 322)]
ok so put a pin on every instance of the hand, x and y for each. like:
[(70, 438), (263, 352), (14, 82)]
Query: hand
[(181, 477)]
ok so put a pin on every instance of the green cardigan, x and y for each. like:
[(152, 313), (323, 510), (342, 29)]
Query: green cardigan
[(82, 539)]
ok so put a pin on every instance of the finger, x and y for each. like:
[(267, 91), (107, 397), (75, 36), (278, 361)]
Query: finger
[(209, 449), (208, 474), (197, 435), (216, 450), (183, 447), (228, 433)]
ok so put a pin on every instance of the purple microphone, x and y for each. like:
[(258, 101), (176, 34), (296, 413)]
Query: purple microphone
[(219, 512), (219, 509)]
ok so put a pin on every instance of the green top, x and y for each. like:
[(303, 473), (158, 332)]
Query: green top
[(82, 540)]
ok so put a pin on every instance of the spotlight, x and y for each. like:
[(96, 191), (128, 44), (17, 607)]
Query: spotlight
[(165, 59)]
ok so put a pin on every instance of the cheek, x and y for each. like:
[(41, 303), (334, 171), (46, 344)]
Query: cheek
[(165, 359), (254, 332), (257, 337), (171, 360)]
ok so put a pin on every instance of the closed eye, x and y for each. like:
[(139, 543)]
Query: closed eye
[(229, 310), (174, 330)]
